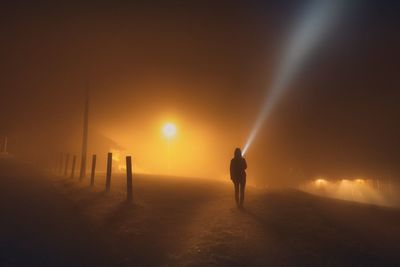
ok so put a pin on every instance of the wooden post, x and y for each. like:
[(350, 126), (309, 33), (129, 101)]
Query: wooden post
[(129, 178), (56, 162), (60, 169), (73, 166), (93, 170), (109, 166), (66, 165), (5, 144)]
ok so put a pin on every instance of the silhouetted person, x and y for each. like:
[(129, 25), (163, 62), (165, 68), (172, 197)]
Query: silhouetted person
[(238, 176)]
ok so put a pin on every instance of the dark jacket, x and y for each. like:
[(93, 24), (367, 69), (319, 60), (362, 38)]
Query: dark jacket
[(238, 169)]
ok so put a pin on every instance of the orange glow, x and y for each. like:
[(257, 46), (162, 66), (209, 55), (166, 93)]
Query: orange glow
[(116, 155), (155, 148), (353, 189), (320, 182)]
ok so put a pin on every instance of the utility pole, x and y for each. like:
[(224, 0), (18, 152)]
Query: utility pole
[(5, 144), (85, 134)]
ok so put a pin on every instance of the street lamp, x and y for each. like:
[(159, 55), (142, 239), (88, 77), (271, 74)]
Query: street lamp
[(169, 131)]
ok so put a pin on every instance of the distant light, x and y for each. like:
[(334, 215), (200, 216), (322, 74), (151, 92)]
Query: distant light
[(320, 182), (169, 130), (360, 181)]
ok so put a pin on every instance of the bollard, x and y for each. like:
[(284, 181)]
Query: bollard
[(93, 170), (73, 166), (108, 177), (129, 178)]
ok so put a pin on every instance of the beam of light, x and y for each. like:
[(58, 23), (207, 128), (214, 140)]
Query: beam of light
[(317, 19)]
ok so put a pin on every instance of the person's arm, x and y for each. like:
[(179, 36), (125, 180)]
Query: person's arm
[(244, 164)]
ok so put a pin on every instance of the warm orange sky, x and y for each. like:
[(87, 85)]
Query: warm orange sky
[(205, 67)]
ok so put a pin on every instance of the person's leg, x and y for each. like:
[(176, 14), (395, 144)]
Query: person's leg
[(242, 189), (236, 184)]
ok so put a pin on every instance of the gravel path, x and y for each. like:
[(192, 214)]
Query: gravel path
[(56, 221)]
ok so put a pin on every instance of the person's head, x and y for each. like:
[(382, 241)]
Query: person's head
[(238, 153)]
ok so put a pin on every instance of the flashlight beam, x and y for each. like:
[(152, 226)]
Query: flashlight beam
[(313, 24)]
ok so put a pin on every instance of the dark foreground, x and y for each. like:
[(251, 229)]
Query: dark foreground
[(56, 221)]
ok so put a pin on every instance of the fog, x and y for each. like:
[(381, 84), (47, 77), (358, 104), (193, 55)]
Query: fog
[(203, 67), (383, 192), (160, 94)]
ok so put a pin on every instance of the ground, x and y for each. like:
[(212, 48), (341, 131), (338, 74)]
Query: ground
[(49, 220)]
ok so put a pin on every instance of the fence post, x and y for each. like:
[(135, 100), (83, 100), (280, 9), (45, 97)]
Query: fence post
[(61, 163), (93, 170), (73, 166), (66, 164), (56, 162), (60, 169), (129, 178), (109, 166), (5, 144)]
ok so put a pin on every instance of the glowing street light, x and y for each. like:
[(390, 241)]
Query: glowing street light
[(169, 131)]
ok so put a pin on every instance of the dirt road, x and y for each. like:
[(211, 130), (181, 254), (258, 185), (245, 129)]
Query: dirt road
[(58, 221)]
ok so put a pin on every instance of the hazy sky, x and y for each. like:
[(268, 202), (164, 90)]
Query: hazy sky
[(205, 66)]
